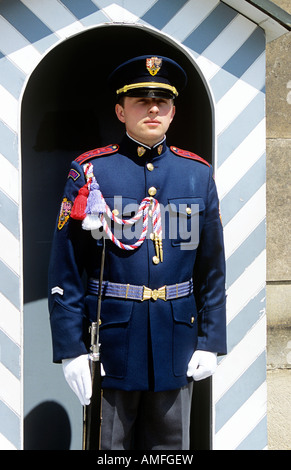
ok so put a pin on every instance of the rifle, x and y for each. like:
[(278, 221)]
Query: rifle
[(92, 412)]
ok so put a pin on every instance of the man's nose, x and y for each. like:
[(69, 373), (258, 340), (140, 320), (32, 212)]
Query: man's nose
[(154, 108)]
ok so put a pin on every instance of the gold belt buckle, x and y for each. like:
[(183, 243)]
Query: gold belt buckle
[(154, 293)]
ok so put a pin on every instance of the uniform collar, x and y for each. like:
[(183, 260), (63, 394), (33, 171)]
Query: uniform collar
[(141, 152)]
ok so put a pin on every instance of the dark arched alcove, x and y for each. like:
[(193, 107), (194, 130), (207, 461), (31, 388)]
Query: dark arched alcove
[(66, 110)]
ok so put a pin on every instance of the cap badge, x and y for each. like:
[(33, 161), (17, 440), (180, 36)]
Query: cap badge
[(153, 65)]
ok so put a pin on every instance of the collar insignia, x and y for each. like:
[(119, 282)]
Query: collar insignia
[(141, 151)]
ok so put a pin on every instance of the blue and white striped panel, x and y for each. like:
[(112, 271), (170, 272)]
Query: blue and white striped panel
[(229, 49)]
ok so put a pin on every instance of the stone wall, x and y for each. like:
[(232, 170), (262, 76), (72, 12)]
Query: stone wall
[(278, 111)]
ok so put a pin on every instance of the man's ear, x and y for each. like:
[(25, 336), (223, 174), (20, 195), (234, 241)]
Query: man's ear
[(173, 112), (119, 112)]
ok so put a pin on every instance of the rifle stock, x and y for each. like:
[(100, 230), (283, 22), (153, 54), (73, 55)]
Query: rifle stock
[(92, 412)]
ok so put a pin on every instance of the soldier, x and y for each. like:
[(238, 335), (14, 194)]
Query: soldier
[(163, 309)]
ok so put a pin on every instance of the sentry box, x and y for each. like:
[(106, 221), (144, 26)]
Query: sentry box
[(54, 57)]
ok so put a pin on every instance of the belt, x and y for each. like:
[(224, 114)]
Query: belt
[(128, 291)]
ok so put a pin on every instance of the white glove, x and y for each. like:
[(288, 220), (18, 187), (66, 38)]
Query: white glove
[(202, 364), (77, 374)]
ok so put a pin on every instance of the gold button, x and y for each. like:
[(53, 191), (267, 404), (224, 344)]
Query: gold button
[(192, 319), (188, 210), (152, 236), (152, 191), (156, 260), (115, 212), (150, 166)]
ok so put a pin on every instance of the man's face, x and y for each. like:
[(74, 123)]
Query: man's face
[(146, 119)]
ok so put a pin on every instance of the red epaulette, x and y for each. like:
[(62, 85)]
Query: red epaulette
[(186, 154), (96, 153)]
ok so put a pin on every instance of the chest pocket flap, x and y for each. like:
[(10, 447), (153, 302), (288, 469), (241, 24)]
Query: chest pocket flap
[(185, 221)]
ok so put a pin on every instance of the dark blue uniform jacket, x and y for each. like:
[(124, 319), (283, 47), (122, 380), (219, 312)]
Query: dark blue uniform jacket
[(144, 344)]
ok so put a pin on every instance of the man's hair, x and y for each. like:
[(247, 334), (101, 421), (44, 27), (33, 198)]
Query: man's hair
[(120, 100)]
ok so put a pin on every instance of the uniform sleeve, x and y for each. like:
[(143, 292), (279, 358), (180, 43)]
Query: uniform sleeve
[(65, 286), (209, 278)]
